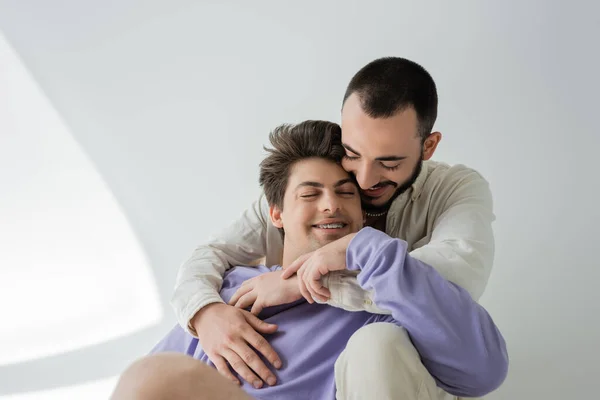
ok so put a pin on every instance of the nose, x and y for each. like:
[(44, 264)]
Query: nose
[(330, 203), (366, 176)]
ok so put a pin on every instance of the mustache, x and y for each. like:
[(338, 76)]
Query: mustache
[(383, 184)]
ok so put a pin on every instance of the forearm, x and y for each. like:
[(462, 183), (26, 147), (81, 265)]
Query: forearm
[(456, 338), (462, 248), (243, 242), (198, 282)]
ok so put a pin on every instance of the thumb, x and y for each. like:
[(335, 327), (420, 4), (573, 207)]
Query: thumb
[(259, 325), (295, 266)]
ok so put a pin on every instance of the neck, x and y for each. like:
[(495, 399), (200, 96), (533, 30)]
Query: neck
[(288, 258), (291, 252), (374, 214)]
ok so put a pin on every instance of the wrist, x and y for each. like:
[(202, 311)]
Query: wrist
[(196, 319), (291, 283), (348, 238)]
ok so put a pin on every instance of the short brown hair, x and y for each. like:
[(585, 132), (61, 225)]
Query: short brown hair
[(293, 143)]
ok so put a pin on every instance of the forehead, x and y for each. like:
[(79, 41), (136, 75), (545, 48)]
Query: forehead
[(318, 170), (396, 135)]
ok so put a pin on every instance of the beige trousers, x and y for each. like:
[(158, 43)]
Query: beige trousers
[(380, 362)]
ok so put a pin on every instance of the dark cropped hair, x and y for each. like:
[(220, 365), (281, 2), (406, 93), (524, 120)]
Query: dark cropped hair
[(293, 143), (392, 84)]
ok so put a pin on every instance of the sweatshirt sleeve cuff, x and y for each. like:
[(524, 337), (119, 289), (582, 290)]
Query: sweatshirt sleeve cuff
[(362, 247)]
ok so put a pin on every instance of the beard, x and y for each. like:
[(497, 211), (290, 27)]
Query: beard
[(401, 188)]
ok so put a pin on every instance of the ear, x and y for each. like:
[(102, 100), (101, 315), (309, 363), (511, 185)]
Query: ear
[(275, 214), (430, 145), (364, 213)]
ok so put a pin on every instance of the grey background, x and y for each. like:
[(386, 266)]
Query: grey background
[(172, 102)]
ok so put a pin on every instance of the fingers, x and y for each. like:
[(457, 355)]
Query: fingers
[(229, 343), (302, 285), (246, 300), (318, 291), (295, 266), (260, 343), (258, 325), (313, 282), (242, 368), (223, 368), (299, 267), (252, 360), (257, 307), (239, 293)]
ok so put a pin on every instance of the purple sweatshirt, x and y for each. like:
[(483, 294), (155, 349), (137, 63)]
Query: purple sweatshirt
[(458, 342)]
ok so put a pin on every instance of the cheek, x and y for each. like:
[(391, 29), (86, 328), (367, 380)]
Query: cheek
[(303, 214), (354, 208), (294, 224), (400, 175)]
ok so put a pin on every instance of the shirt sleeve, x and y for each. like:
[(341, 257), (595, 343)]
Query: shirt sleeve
[(462, 246), (456, 338), (347, 294)]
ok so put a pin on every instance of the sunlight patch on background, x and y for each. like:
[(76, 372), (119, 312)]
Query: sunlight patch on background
[(72, 273)]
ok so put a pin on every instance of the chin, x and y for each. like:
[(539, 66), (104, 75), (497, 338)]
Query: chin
[(322, 241), (328, 239), (380, 202)]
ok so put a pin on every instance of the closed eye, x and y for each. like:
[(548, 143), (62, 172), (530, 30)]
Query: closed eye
[(391, 168), (350, 158)]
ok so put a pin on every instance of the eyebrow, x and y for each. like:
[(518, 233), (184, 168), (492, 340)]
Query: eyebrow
[(383, 158), (320, 185)]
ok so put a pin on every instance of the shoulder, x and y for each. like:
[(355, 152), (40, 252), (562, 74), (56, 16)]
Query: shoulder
[(440, 173), (447, 185), (445, 179)]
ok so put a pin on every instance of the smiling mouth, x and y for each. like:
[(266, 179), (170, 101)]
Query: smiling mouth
[(336, 225), (376, 188)]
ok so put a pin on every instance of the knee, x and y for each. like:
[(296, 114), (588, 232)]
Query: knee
[(173, 376), (384, 343), (154, 377), (381, 358)]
